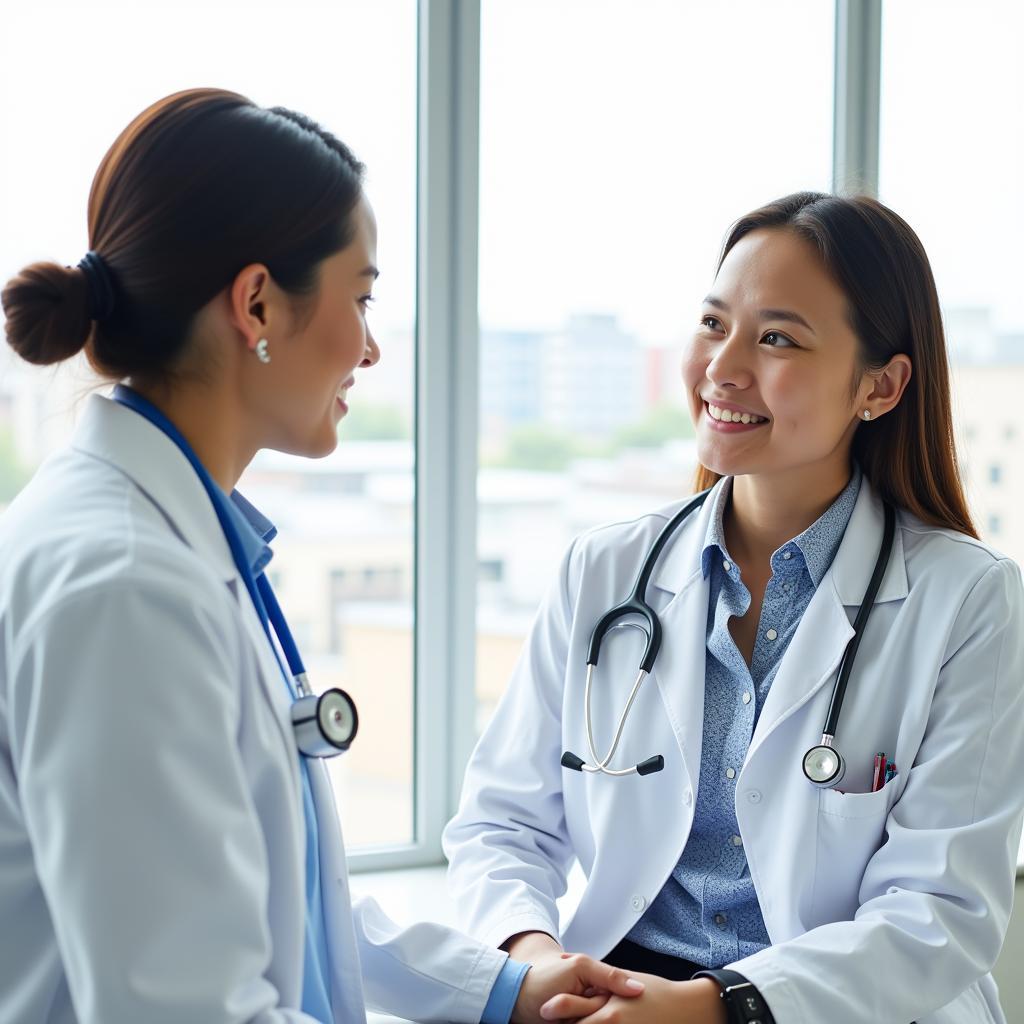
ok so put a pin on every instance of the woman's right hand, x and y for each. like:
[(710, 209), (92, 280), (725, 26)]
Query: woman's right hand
[(557, 974)]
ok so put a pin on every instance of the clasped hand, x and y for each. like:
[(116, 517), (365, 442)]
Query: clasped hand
[(571, 987)]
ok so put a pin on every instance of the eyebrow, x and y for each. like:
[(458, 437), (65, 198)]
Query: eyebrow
[(765, 314), (370, 271)]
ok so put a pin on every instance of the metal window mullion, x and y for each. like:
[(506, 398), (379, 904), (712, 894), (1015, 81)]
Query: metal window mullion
[(858, 68), (446, 422), (446, 405)]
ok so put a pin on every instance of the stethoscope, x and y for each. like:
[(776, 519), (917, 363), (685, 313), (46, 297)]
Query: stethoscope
[(324, 725), (823, 765)]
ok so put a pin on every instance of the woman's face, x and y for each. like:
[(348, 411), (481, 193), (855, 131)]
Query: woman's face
[(770, 371), (312, 368)]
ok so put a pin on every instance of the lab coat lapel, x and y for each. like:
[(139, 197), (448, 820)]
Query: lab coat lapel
[(121, 437), (679, 668), (816, 650)]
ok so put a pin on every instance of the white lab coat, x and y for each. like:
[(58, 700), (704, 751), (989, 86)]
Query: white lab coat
[(151, 824), (881, 907)]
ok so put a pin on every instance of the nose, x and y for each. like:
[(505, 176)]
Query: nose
[(728, 366), (372, 354)]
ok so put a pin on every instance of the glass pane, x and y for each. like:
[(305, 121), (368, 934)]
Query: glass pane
[(343, 562), (951, 161), (612, 162)]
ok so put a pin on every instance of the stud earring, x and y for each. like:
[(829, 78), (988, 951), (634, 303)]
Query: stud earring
[(262, 350), (867, 414)]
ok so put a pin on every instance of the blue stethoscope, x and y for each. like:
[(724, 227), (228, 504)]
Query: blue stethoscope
[(324, 725), (823, 765)]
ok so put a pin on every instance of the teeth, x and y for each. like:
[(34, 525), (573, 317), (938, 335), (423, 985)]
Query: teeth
[(728, 416)]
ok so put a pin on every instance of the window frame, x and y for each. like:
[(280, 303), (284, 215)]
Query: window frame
[(447, 386)]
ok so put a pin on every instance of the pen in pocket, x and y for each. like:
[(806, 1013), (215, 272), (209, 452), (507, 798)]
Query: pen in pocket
[(878, 779)]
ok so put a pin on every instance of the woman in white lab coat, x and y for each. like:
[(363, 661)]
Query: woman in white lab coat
[(818, 383), (165, 853)]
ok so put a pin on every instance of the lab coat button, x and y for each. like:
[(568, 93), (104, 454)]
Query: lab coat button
[(638, 903), (754, 796), (688, 797)]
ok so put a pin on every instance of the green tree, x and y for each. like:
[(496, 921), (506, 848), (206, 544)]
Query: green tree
[(13, 475), (538, 447), (663, 423), (374, 423)]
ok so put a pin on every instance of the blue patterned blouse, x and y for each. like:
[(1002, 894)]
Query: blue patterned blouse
[(707, 911)]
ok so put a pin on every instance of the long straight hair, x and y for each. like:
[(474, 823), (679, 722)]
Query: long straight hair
[(909, 455)]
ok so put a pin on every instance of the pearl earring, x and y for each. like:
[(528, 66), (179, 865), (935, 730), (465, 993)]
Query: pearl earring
[(867, 414), (262, 350)]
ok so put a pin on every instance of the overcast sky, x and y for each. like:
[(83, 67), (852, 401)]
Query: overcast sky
[(619, 139)]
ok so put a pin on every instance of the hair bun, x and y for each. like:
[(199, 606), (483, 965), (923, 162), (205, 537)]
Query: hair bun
[(47, 310)]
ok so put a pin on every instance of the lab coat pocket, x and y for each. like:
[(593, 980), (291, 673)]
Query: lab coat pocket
[(851, 828)]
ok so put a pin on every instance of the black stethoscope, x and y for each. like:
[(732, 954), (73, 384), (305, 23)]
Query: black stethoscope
[(324, 725), (823, 765)]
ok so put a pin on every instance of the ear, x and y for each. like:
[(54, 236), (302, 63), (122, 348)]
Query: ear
[(249, 306), (887, 388)]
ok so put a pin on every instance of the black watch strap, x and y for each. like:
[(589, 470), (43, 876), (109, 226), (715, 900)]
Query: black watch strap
[(743, 1003)]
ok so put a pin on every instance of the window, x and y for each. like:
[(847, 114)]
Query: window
[(353, 510), (604, 200), (969, 214)]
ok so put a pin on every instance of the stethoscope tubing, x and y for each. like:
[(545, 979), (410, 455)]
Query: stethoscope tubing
[(636, 604), (306, 706)]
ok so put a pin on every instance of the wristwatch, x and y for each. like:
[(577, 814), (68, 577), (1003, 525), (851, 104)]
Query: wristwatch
[(743, 1003)]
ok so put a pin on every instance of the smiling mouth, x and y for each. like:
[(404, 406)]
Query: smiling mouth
[(721, 415)]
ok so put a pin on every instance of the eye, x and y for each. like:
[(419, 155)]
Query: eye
[(776, 339), (366, 301), (712, 323)]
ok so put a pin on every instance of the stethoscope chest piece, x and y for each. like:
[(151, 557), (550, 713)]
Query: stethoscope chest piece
[(324, 725), (824, 765)]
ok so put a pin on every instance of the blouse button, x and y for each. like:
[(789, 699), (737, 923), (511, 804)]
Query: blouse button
[(772, 634), (727, 566), (730, 773), (787, 555), (746, 698)]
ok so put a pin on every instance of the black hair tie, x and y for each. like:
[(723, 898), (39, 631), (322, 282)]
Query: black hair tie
[(101, 286)]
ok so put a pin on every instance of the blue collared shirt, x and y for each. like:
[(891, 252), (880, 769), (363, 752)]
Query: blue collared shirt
[(707, 912), (255, 532)]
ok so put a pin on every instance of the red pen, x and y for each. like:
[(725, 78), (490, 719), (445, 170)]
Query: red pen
[(878, 779)]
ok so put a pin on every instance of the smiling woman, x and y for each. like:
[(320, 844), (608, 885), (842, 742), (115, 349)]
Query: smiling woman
[(831, 523), (861, 364)]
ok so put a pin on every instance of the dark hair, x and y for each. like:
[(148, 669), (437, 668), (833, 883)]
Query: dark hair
[(909, 455), (199, 185)]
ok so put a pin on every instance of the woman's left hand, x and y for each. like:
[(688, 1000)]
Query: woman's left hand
[(662, 1002)]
